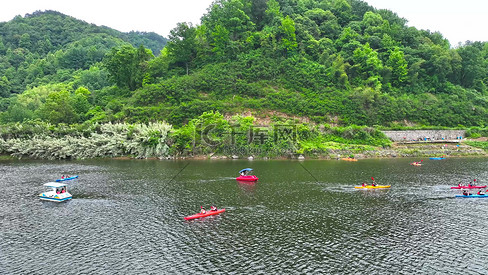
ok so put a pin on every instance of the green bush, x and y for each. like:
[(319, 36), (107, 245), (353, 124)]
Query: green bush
[(103, 140)]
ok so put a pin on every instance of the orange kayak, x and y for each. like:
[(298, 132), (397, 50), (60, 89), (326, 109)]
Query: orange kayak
[(349, 159)]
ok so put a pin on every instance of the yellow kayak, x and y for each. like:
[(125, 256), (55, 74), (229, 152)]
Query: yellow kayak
[(372, 187)]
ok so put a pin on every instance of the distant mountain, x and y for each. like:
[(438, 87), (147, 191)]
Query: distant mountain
[(38, 45), (60, 29)]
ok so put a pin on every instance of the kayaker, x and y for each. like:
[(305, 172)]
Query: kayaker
[(213, 208), (465, 193), (202, 210), (373, 183), (479, 193), (364, 184)]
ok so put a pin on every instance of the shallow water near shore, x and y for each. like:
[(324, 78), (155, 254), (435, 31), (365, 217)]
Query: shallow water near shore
[(126, 216)]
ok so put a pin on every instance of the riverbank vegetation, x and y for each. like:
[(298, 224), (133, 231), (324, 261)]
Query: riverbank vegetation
[(207, 134), (210, 134), (46, 141), (478, 144), (324, 67)]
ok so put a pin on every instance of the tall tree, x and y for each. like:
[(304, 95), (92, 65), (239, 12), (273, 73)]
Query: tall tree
[(367, 66), (127, 66), (289, 37), (4, 87), (473, 66), (398, 65), (182, 45), (59, 108), (228, 22), (258, 12)]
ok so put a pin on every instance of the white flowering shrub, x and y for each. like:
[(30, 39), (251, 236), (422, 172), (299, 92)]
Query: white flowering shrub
[(106, 140)]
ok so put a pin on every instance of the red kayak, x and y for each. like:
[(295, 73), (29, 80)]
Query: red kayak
[(468, 187), (247, 178), (208, 213)]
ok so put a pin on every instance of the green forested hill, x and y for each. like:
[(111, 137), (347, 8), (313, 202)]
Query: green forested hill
[(333, 61), (46, 47)]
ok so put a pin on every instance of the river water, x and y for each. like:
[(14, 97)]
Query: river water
[(301, 217)]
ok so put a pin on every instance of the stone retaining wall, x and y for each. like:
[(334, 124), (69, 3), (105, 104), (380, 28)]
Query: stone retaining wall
[(425, 135)]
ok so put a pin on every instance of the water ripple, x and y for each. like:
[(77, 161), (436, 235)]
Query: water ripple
[(127, 218)]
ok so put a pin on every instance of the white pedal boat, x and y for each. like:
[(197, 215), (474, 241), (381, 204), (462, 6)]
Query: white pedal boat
[(58, 192)]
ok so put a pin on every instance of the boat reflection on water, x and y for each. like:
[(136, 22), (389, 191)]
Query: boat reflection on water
[(247, 186)]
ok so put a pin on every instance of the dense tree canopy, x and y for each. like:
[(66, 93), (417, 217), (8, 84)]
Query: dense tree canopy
[(335, 61)]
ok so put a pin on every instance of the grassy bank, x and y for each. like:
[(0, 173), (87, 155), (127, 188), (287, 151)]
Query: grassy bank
[(478, 144)]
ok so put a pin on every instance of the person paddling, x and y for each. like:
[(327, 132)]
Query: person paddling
[(202, 210), (374, 182), (480, 193), (213, 208)]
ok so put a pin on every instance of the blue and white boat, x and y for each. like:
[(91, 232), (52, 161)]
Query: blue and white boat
[(472, 196), (69, 178), (58, 192)]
